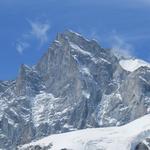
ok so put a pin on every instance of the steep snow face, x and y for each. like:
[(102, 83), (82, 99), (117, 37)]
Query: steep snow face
[(133, 64), (121, 138)]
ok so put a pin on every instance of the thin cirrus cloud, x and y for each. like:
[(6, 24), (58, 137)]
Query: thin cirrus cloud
[(121, 47), (38, 31), (117, 42), (21, 46), (144, 1)]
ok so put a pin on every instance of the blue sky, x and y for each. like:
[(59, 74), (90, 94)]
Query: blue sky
[(28, 27)]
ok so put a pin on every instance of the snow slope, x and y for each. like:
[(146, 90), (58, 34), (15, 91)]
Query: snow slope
[(133, 64), (113, 138)]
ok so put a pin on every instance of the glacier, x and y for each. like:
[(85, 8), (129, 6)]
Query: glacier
[(125, 137)]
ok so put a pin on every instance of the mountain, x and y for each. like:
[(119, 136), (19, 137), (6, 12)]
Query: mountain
[(77, 84), (127, 137)]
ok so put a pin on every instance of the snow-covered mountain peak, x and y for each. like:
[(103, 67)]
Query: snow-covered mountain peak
[(83, 85), (70, 36), (133, 64), (71, 32)]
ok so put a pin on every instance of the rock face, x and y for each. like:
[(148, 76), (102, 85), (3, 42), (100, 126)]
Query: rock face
[(76, 84), (144, 145)]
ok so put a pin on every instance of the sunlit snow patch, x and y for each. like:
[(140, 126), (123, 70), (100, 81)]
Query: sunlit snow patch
[(133, 64), (113, 138)]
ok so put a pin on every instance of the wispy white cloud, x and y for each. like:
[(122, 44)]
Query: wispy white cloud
[(118, 43), (144, 1), (37, 31), (120, 46), (40, 31), (94, 35), (21, 46)]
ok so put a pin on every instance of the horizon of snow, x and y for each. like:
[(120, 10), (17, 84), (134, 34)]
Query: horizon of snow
[(109, 138)]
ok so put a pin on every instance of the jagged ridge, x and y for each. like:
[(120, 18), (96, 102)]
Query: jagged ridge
[(76, 84)]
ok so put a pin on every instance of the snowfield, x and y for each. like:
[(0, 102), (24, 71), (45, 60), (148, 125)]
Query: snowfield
[(133, 64), (112, 138)]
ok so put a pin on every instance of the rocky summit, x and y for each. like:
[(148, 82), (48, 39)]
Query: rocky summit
[(77, 84)]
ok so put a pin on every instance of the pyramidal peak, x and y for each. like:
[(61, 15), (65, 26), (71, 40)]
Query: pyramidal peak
[(74, 37), (77, 84)]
